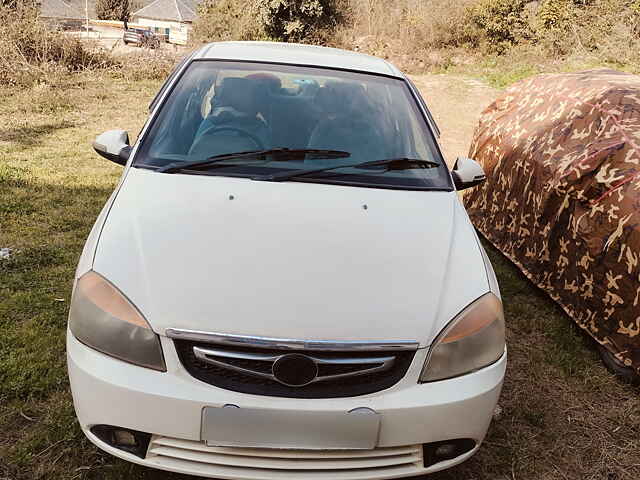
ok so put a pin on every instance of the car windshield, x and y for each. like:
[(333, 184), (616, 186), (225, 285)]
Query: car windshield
[(220, 108)]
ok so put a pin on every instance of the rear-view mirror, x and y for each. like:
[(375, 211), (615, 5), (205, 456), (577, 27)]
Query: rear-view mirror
[(467, 173), (113, 145)]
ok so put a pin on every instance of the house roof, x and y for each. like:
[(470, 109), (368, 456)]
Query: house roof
[(60, 9), (176, 10), (296, 54)]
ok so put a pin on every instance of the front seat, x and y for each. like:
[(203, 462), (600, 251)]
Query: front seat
[(233, 125), (348, 122)]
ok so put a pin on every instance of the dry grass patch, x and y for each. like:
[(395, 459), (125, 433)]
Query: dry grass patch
[(31, 52), (563, 415), (500, 40), (52, 187)]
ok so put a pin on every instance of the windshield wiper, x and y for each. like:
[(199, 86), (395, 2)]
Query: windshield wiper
[(281, 152), (391, 164)]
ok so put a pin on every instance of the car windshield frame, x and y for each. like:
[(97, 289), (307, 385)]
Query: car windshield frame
[(414, 101)]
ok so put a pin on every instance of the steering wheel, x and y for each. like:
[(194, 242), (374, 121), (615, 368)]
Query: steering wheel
[(215, 129)]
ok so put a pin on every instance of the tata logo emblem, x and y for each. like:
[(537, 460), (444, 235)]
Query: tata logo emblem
[(295, 370)]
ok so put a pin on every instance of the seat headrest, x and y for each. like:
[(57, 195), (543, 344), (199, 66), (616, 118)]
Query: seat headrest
[(238, 93), (268, 81), (340, 98)]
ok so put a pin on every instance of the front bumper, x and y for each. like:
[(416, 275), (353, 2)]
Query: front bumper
[(169, 406)]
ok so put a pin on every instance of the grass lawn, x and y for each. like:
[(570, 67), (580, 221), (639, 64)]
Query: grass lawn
[(563, 415)]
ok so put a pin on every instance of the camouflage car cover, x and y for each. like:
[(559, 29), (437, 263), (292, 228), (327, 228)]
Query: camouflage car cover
[(562, 196)]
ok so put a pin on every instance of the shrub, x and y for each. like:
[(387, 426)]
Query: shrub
[(220, 20), (500, 23), (18, 3), (286, 20), (414, 24), (298, 20), (112, 9), (606, 30), (416, 34), (556, 14), (31, 52), (146, 65)]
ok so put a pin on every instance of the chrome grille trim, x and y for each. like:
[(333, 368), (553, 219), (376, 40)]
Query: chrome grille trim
[(383, 363), (288, 343), (276, 464)]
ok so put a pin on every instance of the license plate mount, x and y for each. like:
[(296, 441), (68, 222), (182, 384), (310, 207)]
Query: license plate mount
[(289, 429)]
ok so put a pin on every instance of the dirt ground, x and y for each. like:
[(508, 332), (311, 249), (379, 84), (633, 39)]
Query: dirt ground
[(456, 104)]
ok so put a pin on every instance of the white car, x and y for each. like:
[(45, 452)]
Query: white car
[(284, 283)]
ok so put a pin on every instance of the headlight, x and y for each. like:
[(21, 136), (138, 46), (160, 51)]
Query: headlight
[(101, 317), (472, 340)]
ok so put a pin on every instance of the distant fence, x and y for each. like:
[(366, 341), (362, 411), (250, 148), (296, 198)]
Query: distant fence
[(116, 24)]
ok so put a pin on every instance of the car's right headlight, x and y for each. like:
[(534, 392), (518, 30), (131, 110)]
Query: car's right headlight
[(101, 317), (474, 339)]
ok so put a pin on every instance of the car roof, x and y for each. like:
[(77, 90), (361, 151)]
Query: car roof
[(297, 54)]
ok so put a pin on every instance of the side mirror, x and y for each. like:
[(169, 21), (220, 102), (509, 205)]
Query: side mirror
[(467, 173), (113, 145)]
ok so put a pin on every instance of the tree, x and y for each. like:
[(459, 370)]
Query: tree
[(112, 10), (296, 20), (18, 3), (220, 20)]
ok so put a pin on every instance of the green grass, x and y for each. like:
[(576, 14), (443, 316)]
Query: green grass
[(500, 71), (52, 186), (563, 415)]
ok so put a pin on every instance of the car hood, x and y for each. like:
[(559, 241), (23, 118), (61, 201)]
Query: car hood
[(289, 259)]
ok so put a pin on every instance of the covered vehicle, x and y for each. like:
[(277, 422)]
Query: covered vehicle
[(562, 158)]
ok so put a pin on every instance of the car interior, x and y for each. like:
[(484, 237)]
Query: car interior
[(255, 111)]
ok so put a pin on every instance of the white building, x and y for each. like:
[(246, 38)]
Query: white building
[(169, 18)]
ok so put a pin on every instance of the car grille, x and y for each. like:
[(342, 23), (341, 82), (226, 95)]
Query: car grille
[(262, 463), (251, 369)]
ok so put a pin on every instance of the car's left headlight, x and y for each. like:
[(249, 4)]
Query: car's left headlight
[(101, 317), (474, 339)]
